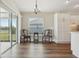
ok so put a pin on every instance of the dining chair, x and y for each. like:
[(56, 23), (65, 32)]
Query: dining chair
[(24, 36), (47, 36)]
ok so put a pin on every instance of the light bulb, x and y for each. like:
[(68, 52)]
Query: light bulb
[(67, 1)]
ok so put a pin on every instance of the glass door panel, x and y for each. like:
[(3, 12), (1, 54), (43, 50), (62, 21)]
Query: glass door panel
[(4, 30), (14, 29)]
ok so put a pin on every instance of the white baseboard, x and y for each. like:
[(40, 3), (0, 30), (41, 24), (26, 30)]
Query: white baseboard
[(75, 54)]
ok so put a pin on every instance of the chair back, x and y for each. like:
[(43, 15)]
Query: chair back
[(48, 32), (24, 32)]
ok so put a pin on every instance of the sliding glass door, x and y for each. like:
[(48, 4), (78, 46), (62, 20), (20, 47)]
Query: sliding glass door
[(8, 29), (4, 29)]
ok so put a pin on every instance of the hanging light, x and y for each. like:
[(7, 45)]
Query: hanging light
[(36, 10), (67, 1)]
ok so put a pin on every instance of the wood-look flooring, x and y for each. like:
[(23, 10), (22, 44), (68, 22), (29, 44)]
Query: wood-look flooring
[(32, 50)]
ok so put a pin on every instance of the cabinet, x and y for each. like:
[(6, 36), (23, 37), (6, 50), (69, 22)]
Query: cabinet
[(75, 43)]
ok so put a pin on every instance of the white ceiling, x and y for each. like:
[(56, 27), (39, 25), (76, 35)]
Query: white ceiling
[(47, 5)]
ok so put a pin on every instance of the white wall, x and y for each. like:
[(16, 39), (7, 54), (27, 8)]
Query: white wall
[(75, 19), (62, 24), (10, 4), (47, 17), (56, 27)]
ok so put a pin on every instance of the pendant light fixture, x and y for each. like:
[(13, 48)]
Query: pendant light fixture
[(36, 10), (67, 1)]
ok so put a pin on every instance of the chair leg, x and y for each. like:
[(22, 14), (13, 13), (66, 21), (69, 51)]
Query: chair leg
[(49, 40), (25, 40), (42, 39), (21, 40), (29, 39)]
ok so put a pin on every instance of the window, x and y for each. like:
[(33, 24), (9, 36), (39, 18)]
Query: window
[(36, 24)]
